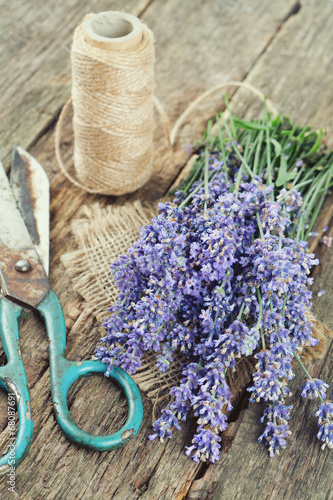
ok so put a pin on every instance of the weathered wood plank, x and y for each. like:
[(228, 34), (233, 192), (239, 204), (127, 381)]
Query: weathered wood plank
[(200, 45), (54, 468), (295, 72), (35, 75)]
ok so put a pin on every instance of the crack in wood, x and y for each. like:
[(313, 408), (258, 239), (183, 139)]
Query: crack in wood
[(114, 474), (295, 9), (143, 9)]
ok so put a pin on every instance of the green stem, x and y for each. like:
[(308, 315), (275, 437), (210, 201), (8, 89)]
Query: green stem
[(307, 373), (319, 204), (259, 320), (234, 147), (268, 148), (241, 310), (300, 229), (284, 304), (206, 179), (258, 151), (260, 227), (233, 128), (192, 193), (222, 147)]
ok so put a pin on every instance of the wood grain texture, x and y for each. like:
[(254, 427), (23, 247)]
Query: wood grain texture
[(198, 44), (296, 72), (35, 73)]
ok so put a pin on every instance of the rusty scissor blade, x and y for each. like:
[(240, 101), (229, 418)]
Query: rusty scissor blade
[(22, 276), (31, 189), (13, 231)]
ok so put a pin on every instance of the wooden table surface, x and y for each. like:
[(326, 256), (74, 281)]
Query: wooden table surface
[(285, 48)]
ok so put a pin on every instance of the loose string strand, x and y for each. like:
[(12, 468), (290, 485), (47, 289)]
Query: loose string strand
[(195, 104)]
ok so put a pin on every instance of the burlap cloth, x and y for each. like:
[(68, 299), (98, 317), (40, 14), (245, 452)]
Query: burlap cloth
[(102, 235)]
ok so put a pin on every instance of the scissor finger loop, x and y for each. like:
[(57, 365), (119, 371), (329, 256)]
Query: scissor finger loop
[(24, 264)]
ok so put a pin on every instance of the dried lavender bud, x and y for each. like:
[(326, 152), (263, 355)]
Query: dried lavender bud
[(221, 273)]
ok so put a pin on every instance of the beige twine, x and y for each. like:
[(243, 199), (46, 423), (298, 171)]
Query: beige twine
[(112, 96)]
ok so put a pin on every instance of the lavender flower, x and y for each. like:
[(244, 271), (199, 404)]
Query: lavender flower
[(165, 425), (325, 423), (277, 411), (275, 437), (222, 272), (205, 446), (314, 388)]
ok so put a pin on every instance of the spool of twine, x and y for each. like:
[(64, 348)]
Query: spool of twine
[(112, 60)]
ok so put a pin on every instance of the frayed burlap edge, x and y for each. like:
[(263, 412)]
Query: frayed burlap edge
[(102, 236)]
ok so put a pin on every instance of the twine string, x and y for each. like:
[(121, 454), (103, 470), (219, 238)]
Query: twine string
[(112, 97), (58, 133), (171, 135), (195, 104)]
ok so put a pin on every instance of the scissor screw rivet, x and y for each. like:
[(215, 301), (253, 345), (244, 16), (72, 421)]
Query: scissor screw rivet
[(22, 266)]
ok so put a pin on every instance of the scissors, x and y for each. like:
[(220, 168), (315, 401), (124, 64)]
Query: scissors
[(24, 265)]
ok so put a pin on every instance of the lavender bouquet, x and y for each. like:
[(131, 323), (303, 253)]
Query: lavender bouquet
[(222, 273)]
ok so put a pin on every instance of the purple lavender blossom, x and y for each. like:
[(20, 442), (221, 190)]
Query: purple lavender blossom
[(314, 388), (165, 425), (218, 278), (325, 423), (278, 411), (275, 437), (205, 446)]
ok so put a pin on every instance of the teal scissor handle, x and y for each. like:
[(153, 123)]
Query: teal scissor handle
[(14, 380), (64, 372)]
